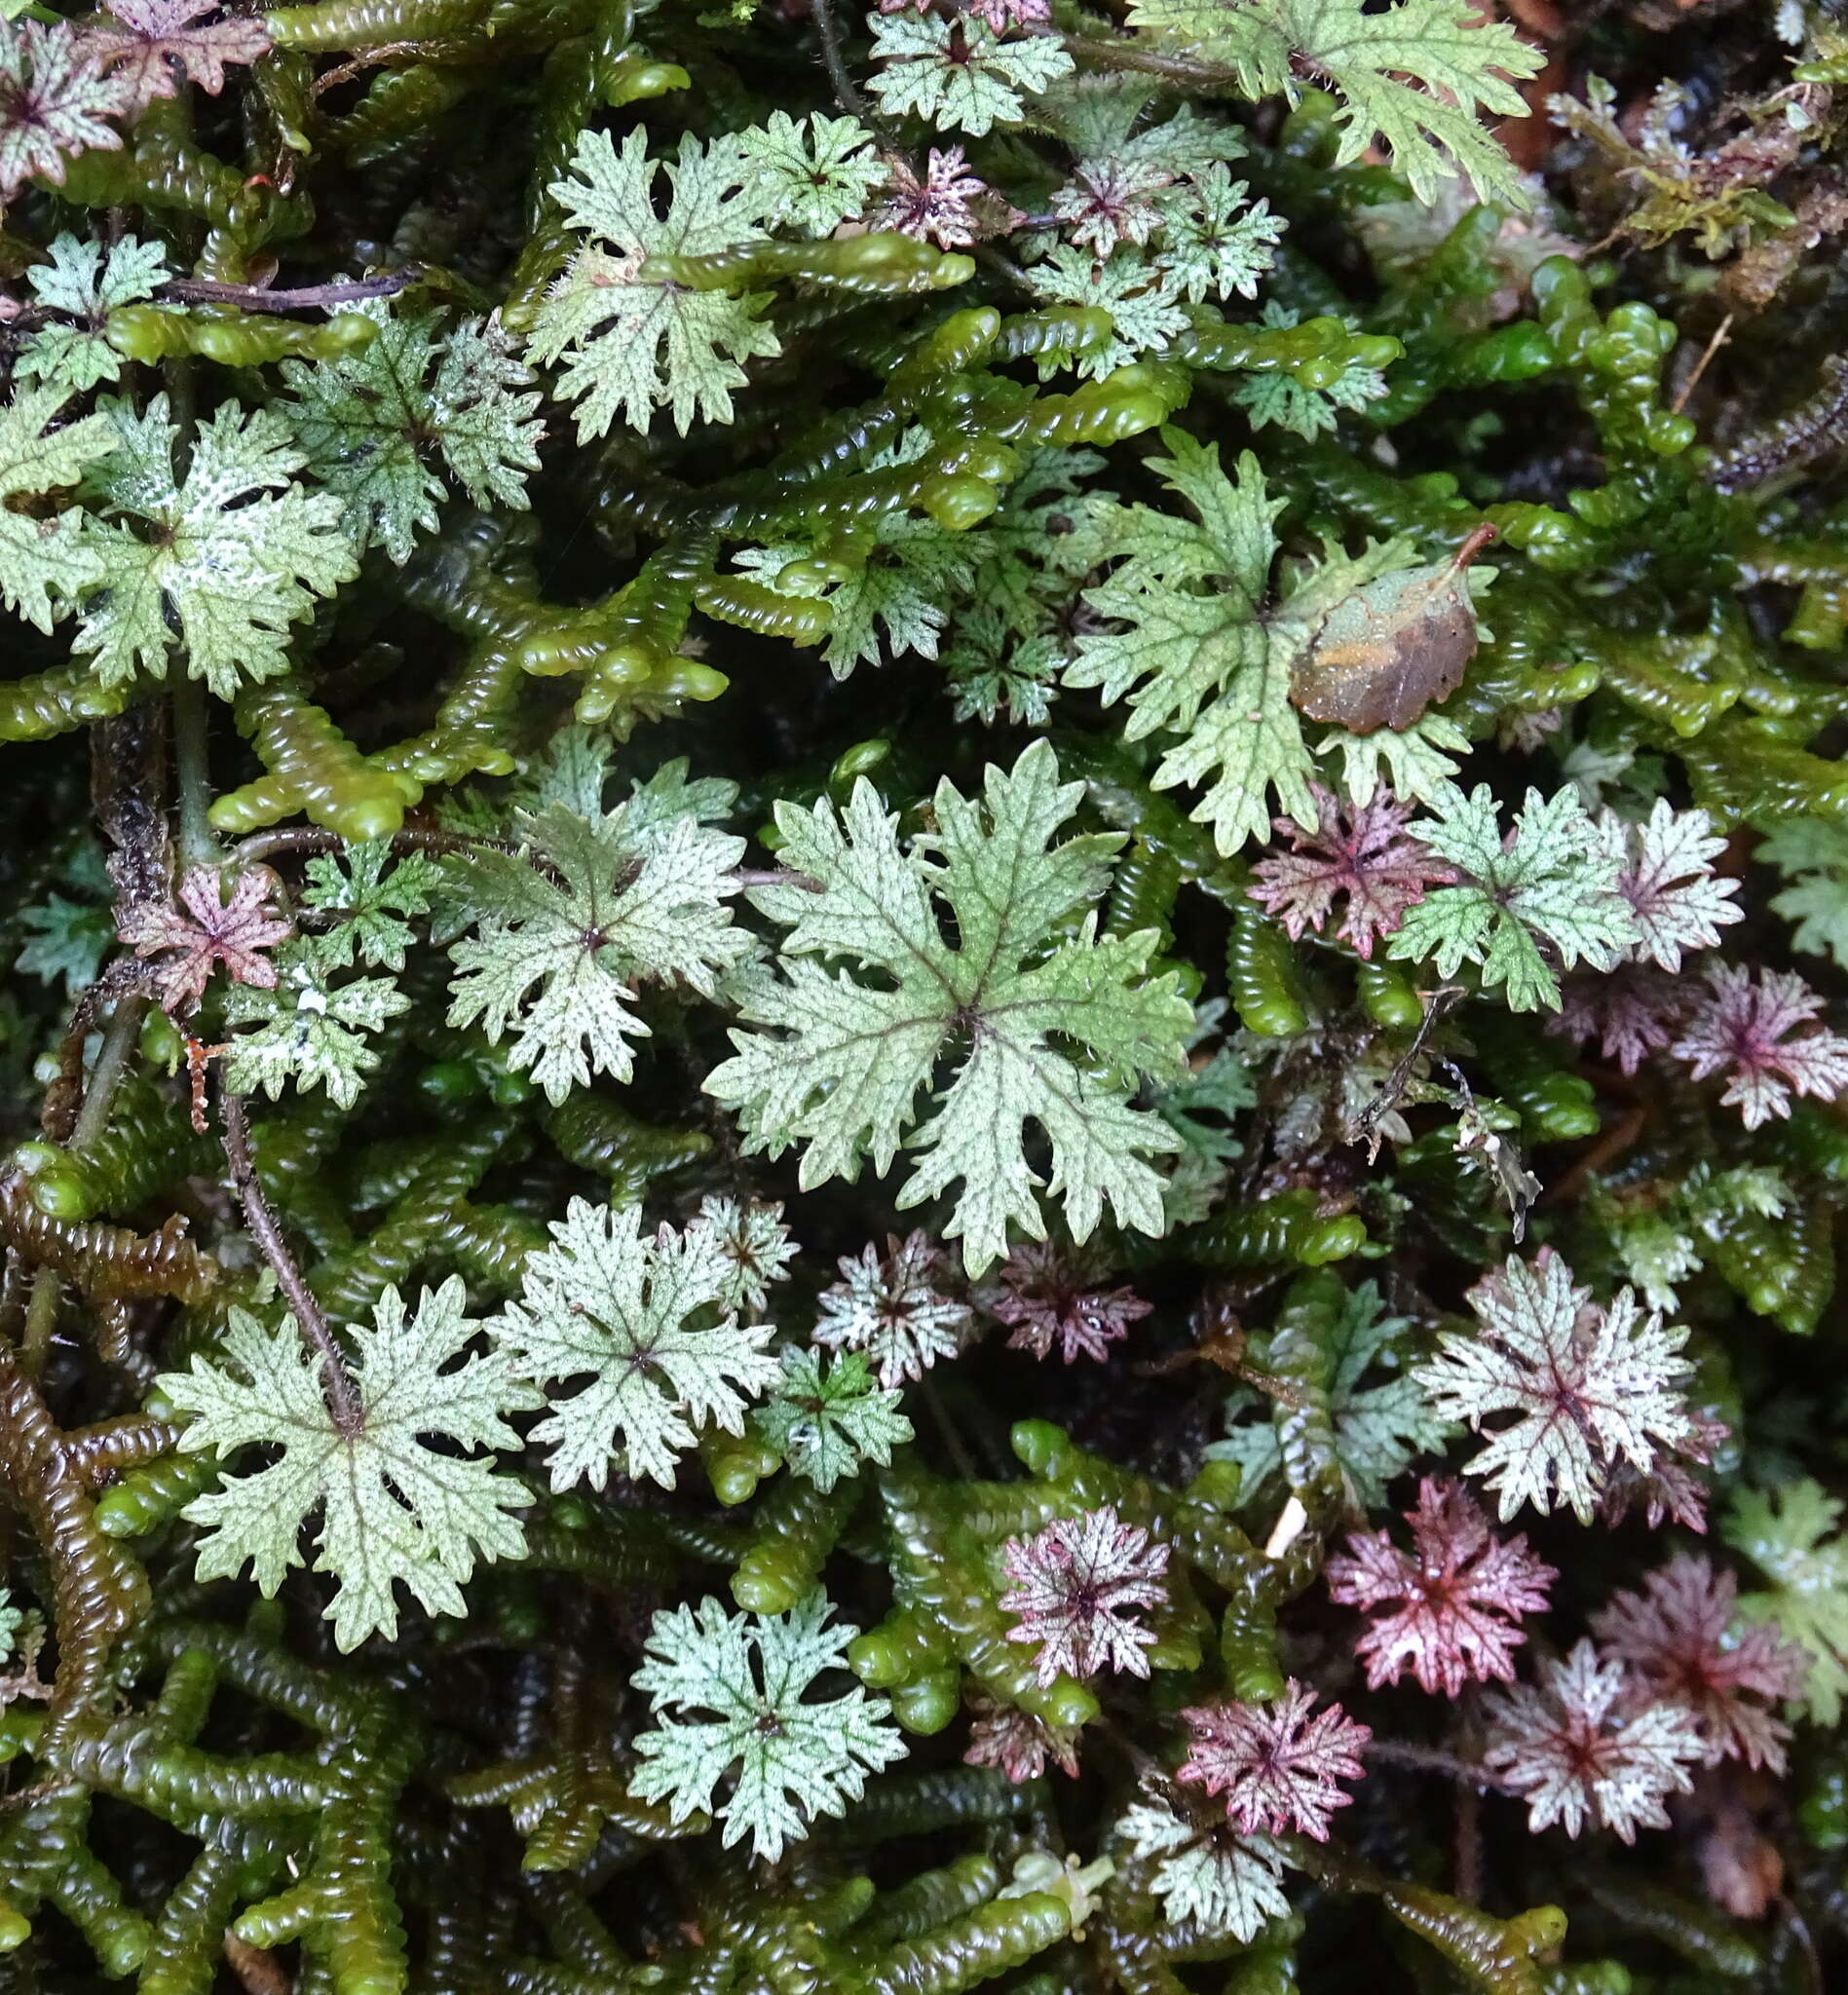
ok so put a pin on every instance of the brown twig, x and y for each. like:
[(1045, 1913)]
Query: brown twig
[(1713, 346), (294, 842), (1428, 1759), (341, 1402), (199, 290), (847, 92), (1366, 1125), (1602, 1151)]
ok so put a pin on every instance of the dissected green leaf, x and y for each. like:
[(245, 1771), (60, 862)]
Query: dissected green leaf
[(1547, 894), (837, 1063), (748, 1673), (46, 563), (645, 1321), (629, 347), (589, 908), (220, 560), (1413, 74), (393, 1507), (375, 425)]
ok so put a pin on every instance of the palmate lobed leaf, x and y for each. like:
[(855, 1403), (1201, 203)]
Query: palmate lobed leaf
[(393, 1508), (837, 1063), (1589, 1387), (1551, 887), (56, 98), (628, 347), (1792, 1536), (46, 563), (827, 1422), (748, 1675), (1413, 74), (647, 1323), (374, 425), (638, 894), (220, 561), (1212, 654)]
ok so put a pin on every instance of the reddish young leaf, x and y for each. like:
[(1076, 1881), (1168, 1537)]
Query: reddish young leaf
[(1046, 1295), (1277, 1766), (1074, 1583), (1745, 1030), (53, 99), (936, 206), (1672, 1635), (232, 934), (1004, 1735), (1665, 871), (1461, 1594), (152, 47), (1580, 1753), (1670, 1488), (1631, 1011), (1363, 851)]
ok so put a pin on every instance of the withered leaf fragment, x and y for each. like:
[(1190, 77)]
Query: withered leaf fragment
[(1393, 648)]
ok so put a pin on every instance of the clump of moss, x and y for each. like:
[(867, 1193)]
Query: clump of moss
[(922, 945)]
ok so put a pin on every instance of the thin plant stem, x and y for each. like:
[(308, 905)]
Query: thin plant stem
[(1176, 69), (268, 1235), (305, 298), (1428, 1759), (847, 92), (198, 844)]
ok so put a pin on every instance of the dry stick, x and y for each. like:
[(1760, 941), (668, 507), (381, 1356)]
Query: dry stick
[(198, 290), (1365, 1126), (1428, 1759), (1713, 346), (847, 92), (309, 1321)]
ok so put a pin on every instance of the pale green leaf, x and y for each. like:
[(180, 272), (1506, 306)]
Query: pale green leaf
[(1414, 763), (837, 1063), (728, 1692), (810, 174), (1791, 1536), (376, 426), (1413, 75), (959, 74), (1221, 1883), (85, 282), (1143, 300), (69, 942), (373, 900), (1217, 244), (1812, 853), (1549, 893), (644, 1320), (308, 1032), (1211, 663), (49, 555), (628, 347), (1378, 1414), (220, 561), (394, 1508), (826, 1422), (591, 907)]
